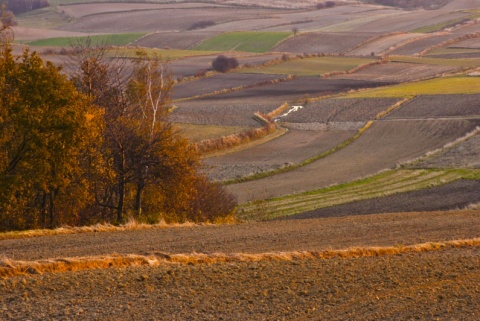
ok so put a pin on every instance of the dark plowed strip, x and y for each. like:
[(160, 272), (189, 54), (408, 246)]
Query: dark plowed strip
[(451, 196)]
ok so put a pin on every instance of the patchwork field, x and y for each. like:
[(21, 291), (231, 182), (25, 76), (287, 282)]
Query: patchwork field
[(311, 66), (363, 183), (396, 141), (323, 42)]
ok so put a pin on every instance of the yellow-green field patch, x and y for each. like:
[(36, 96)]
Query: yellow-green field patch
[(439, 86), (196, 133), (310, 66), (243, 41)]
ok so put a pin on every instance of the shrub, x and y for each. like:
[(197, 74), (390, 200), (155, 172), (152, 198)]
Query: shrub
[(320, 5), (212, 203), (224, 64), (330, 4), (201, 24), (20, 6)]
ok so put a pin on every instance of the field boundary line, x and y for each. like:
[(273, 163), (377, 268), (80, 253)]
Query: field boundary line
[(97, 228), (10, 268), (448, 42), (238, 88), (310, 160)]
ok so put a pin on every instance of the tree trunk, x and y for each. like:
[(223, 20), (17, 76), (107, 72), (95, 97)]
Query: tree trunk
[(138, 198)]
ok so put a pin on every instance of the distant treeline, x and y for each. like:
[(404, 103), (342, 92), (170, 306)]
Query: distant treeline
[(21, 6), (410, 4)]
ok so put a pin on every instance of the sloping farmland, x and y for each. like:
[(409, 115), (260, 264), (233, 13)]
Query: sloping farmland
[(221, 82), (379, 45), (397, 72), (439, 106), (383, 146), (174, 40), (451, 196), (324, 42), (165, 20)]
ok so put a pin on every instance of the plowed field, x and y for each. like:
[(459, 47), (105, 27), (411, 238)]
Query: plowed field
[(340, 110), (377, 46), (421, 44), (451, 196), (397, 72), (440, 283), (334, 43), (383, 146), (174, 40), (293, 147), (220, 82), (164, 20), (438, 106)]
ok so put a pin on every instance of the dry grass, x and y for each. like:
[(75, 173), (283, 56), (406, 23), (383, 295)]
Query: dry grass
[(210, 146), (11, 268), (131, 225)]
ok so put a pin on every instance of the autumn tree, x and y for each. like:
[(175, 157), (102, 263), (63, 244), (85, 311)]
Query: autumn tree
[(154, 170), (46, 129)]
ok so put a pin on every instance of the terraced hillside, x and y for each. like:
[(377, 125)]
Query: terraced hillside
[(360, 201)]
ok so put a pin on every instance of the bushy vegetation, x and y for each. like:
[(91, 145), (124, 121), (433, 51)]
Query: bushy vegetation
[(21, 6), (224, 64), (411, 4), (96, 148), (202, 24)]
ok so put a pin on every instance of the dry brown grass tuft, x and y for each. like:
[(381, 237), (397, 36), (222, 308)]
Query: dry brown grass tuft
[(131, 225), (10, 268)]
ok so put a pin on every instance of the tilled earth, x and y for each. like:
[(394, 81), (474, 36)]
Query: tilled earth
[(441, 285), (435, 285)]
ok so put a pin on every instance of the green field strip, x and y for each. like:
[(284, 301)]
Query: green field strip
[(439, 86), (316, 66), (98, 40), (453, 51), (168, 54), (398, 181), (248, 41), (406, 182), (441, 26), (462, 62)]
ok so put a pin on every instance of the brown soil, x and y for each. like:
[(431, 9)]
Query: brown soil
[(340, 110), (470, 43), (333, 43), (220, 82), (421, 44), (407, 21), (165, 20), (381, 44), (441, 284), (397, 72), (462, 155), (174, 40), (215, 113), (257, 237), (293, 147), (438, 106), (455, 195), (384, 145), (87, 9)]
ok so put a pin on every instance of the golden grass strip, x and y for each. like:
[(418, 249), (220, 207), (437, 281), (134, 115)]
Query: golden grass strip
[(11, 268), (131, 225)]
